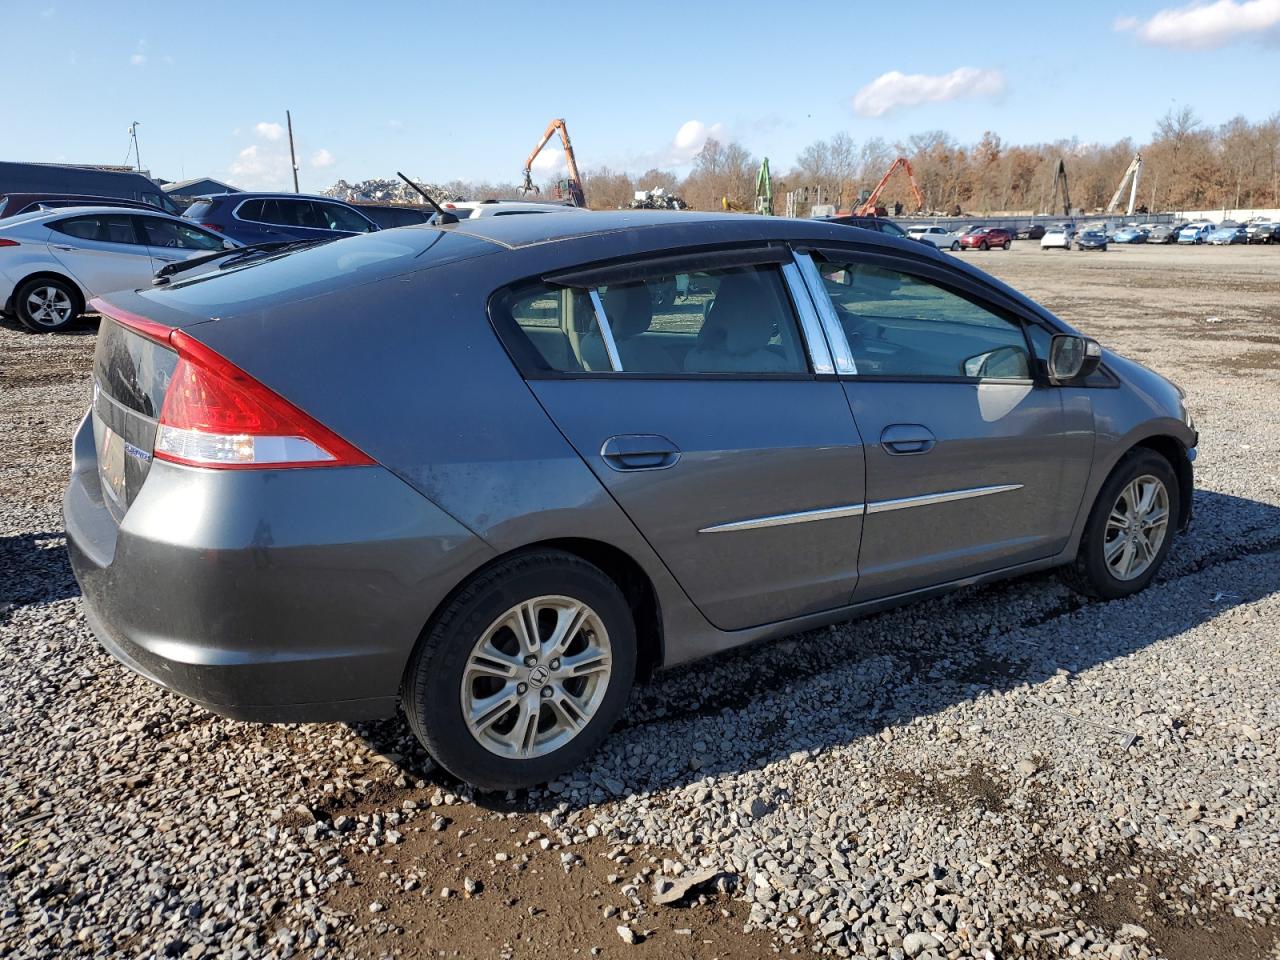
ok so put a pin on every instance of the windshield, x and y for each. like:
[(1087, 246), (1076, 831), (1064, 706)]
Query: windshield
[(197, 209)]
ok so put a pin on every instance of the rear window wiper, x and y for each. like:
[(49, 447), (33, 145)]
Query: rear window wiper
[(171, 270)]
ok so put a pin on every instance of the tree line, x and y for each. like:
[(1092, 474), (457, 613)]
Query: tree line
[(1187, 165)]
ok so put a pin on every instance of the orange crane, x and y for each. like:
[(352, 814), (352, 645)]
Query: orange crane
[(869, 209), (572, 186)]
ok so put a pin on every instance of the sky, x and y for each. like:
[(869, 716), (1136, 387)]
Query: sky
[(450, 91)]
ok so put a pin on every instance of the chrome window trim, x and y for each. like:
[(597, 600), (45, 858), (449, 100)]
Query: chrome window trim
[(782, 519), (815, 338), (606, 332), (903, 503), (840, 352)]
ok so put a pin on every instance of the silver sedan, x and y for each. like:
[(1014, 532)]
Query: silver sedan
[(52, 262)]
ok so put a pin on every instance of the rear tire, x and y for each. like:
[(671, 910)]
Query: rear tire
[(1118, 529), (1006, 245), (471, 655), (47, 304), (955, 245)]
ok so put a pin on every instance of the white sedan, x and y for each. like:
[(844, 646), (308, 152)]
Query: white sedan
[(940, 237), (1059, 236), (52, 262)]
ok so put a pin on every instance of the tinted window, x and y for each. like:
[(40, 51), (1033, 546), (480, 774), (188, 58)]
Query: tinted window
[(336, 217), (898, 324), (200, 209), (102, 227), (892, 229), (170, 233), (735, 320)]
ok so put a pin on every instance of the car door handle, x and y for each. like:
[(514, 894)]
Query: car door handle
[(906, 438), (169, 259), (58, 246), (639, 451)]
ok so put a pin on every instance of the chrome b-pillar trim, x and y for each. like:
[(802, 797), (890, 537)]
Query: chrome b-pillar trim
[(606, 332)]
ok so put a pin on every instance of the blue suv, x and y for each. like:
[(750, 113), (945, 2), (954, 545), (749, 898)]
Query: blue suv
[(268, 217)]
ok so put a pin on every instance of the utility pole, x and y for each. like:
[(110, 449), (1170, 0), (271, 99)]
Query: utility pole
[(137, 157), (293, 157)]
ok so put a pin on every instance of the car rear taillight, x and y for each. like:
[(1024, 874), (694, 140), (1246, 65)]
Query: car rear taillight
[(216, 415), (212, 226), (8, 243)]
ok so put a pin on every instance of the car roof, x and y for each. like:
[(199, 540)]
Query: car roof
[(270, 195), (690, 227), (98, 208)]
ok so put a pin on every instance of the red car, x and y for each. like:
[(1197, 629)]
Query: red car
[(984, 238)]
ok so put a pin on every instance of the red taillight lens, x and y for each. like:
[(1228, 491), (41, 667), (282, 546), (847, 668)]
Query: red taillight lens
[(216, 228), (8, 243), (216, 415)]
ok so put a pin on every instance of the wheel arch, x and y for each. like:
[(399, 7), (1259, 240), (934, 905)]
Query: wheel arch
[(1172, 449), (618, 566), (46, 274)]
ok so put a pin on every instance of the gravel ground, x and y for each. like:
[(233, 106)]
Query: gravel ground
[(1009, 771)]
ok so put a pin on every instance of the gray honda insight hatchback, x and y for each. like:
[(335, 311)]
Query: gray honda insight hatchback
[(490, 473)]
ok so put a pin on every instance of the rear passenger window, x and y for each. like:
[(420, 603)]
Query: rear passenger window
[(902, 325), (102, 227), (736, 320)]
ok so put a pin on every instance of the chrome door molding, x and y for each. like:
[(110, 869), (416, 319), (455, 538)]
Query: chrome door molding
[(782, 519), (948, 496), (819, 351), (840, 352), (859, 509)]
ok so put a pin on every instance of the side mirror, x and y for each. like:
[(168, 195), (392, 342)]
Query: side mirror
[(230, 245), (1073, 358)]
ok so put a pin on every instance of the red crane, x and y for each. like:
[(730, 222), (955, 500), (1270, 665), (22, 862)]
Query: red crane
[(572, 186), (869, 208)]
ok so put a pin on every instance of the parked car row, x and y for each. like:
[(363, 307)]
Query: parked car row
[(60, 250)]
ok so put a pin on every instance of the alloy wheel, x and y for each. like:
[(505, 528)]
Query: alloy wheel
[(536, 677), (49, 306), (1136, 527)]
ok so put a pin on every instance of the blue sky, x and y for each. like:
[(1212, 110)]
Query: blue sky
[(451, 90)]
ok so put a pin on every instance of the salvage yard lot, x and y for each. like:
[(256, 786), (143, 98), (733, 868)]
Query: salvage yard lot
[(1009, 771)]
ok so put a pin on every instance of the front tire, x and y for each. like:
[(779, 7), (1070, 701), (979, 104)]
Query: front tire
[(984, 245), (524, 671), (955, 246), (47, 304), (1129, 530), (1006, 245)]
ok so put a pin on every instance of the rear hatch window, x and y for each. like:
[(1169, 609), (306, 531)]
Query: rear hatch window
[(130, 377), (198, 210)]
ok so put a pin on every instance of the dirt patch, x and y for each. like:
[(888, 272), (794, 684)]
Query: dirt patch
[(1180, 918), (527, 904), (973, 788)]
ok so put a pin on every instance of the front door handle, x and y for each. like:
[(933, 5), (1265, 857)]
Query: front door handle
[(907, 438), (639, 451), (58, 246)]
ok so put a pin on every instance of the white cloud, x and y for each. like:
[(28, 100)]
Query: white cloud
[(322, 158), (690, 139), (894, 90), (1201, 25), (550, 163), (138, 59), (261, 168), (269, 131), (395, 124)]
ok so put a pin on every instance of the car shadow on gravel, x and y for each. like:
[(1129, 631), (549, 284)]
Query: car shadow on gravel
[(737, 711), (34, 568)]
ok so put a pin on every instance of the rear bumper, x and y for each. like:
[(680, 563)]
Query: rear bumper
[(275, 595)]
